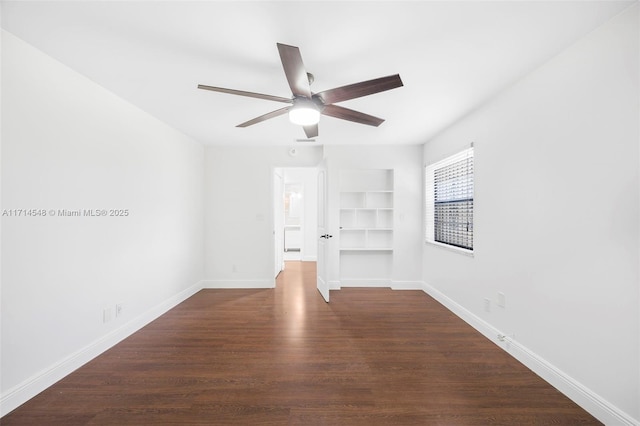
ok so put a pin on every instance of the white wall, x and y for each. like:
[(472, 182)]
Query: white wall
[(308, 178), (69, 144), (238, 221), (406, 162), (556, 219), (239, 247)]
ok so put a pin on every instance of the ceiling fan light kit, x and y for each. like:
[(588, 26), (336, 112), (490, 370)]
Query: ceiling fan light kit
[(304, 112), (307, 106)]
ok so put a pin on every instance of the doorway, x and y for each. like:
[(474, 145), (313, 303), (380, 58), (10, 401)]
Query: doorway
[(293, 219), (295, 214)]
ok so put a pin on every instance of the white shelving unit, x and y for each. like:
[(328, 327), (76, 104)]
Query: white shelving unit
[(366, 220), (366, 224)]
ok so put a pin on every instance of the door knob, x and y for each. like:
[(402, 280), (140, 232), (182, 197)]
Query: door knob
[(327, 236)]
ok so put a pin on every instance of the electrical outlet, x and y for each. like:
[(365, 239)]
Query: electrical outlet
[(119, 309), (502, 301), (487, 304)]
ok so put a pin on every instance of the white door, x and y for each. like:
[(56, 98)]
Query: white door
[(323, 236), (278, 220)]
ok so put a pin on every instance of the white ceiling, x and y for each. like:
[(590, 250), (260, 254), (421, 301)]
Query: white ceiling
[(451, 56)]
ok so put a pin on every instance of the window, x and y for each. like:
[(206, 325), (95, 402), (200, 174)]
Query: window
[(449, 201)]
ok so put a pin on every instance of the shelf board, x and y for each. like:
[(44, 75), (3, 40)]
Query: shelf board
[(366, 249), (366, 229), (369, 191), (366, 208)]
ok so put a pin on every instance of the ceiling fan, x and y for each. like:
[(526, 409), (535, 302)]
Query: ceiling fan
[(306, 106)]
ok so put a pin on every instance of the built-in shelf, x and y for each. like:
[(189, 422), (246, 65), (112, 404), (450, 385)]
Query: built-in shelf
[(366, 217), (366, 238), (366, 224)]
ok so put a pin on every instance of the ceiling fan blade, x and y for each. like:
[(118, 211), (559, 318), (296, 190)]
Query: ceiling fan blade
[(243, 93), (351, 115), (264, 117), (358, 90), (311, 131), (294, 70)]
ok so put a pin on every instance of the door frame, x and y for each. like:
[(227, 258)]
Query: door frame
[(277, 191), (323, 235), (305, 224)]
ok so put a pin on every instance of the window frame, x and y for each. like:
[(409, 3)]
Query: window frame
[(429, 199)]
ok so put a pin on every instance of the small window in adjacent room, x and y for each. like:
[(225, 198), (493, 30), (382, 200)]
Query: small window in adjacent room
[(449, 201)]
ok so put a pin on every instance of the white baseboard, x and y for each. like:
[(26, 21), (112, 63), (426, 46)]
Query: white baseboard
[(364, 283), (309, 258), (576, 391), (395, 285), (239, 284), (21, 393), (407, 285), (334, 285)]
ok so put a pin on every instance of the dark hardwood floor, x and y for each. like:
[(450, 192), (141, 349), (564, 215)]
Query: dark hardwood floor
[(285, 357)]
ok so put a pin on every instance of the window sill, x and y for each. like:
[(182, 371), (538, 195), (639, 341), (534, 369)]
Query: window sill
[(454, 249)]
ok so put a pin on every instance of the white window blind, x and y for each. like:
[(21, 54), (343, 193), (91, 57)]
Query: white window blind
[(449, 201)]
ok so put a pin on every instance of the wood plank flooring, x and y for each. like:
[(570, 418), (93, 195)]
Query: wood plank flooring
[(284, 357)]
